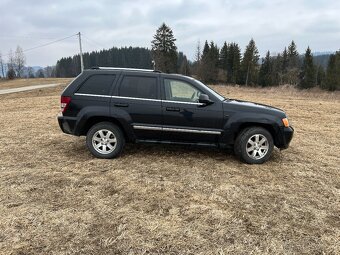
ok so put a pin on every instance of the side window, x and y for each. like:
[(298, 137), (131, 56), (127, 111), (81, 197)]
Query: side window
[(180, 91), (139, 87), (99, 84)]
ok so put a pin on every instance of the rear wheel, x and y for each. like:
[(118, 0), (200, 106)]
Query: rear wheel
[(254, 145), (105, 140)]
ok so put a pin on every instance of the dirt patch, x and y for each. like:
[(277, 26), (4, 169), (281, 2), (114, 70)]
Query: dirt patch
[(156, 199)]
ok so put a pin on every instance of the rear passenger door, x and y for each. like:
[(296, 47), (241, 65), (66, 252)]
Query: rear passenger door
[(137, 96)]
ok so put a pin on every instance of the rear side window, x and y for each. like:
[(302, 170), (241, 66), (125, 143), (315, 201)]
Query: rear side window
[(139, 87), (99, 84)]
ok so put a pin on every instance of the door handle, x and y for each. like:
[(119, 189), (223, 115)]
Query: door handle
[(121, 104), (172, 109)]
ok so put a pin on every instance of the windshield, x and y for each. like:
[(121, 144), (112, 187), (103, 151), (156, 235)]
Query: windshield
[(220, 97)]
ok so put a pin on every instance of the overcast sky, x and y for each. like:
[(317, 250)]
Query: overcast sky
[(272, 23)]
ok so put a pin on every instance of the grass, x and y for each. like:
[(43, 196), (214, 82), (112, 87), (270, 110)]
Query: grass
[(57, 199)]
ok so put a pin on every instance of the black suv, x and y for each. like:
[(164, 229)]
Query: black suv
[(112, 106)]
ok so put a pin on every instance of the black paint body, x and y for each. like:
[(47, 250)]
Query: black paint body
[(222, 119)]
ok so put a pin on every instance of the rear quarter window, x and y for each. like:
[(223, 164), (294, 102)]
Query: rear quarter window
[(98, 84)]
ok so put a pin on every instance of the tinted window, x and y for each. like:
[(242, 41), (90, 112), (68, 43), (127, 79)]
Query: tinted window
[(139, 87), (99, 84), (180, 91)]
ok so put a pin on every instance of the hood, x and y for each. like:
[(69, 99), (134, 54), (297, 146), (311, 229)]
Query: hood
[(239, 105)]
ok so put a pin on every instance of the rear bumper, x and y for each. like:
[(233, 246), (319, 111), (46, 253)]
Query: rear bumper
[(67, 124), (286, 137)]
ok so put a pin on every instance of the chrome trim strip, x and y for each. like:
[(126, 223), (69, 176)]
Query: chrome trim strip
[(183, 130), (195, 131), (148, 128), (90, 95), (138, 98), (180, 102)]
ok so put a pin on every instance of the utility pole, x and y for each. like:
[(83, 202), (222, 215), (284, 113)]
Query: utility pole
[(81, 54)]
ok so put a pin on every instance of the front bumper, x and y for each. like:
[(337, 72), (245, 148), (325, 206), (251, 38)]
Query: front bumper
[(285, 137)]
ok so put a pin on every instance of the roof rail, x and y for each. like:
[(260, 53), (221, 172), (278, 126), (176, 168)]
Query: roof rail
[(126, 69)]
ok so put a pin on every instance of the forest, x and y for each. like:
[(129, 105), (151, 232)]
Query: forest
[(213, 64)]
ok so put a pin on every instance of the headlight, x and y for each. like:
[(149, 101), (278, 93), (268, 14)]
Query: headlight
[(285, 122)]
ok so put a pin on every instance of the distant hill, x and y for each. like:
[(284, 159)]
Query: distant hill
[(321, 59), (320, 53)]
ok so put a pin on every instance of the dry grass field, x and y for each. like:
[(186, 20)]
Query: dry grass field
[(4, 84), (55, 198)]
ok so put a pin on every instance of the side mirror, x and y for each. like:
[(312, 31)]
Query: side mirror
[(204, 99)]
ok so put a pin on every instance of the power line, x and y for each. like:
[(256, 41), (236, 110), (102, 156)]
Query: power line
[(46, 44), (94, 42)]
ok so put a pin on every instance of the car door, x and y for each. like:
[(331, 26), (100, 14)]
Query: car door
[(137, 97), (184, 118)]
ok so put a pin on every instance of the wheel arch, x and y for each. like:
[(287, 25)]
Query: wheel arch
[(97, 119), (267, 126)]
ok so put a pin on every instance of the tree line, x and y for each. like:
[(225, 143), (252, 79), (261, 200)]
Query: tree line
[(129, 57), (229, 65), (226, 64)]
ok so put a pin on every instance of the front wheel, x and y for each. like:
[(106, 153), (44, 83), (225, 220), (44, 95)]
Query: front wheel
[(254, 145), (105, 140)]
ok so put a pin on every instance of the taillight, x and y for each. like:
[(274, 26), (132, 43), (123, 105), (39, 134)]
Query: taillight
[(64, 103)]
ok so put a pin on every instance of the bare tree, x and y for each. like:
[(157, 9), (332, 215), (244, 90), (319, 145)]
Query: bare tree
[(2, 66), (10, 65), (48, 70), (20, 61), (198, 52), (30, 72), (40, 73)]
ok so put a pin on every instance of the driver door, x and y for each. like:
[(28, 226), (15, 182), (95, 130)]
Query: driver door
[(184, 118)]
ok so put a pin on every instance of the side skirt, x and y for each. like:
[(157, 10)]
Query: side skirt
[(179, 143)]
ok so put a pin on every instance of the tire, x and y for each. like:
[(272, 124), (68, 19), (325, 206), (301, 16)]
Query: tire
[(254, 145), (105, 140)]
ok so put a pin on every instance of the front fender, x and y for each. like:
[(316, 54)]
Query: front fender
[(235, 123)]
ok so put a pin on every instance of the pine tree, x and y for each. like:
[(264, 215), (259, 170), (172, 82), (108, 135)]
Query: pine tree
[(164, 50), (277, 73), (230, 58), (208, 69), (332, 81), (320, 77), (293, 56), (292, 76), (249, 65), (308, 74), (235, 63), (265, 74), (285, 60), (224, 55)]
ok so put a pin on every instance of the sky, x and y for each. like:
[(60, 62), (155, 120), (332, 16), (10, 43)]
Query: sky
[(272, 23)]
